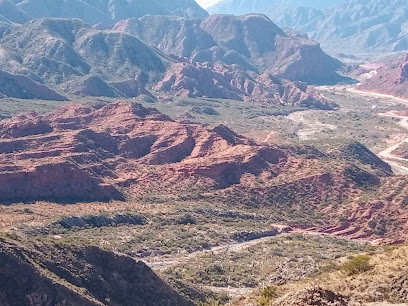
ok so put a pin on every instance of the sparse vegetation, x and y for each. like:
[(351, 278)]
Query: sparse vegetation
[(357, 265), (267, 295)]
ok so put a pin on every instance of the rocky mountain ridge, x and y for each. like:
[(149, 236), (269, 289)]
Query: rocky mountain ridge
[(75, 59), (356, 27), (238, 40), (103, 13)]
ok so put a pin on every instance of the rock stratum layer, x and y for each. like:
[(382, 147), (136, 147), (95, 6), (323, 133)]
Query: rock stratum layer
[(61, 275)]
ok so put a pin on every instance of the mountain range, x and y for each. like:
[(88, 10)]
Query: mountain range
[(356, 27), (101, 12), (73, 58)]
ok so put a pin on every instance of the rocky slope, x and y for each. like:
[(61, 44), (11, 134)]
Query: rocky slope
[(77, 60), (9, 12), (220, 81), (94, 150), (40, 274), (171, 34), (390, 78), (103, 12), (69, 55), (240, 7), (19, 86), (363, 26), (352, 26), (252, 42)]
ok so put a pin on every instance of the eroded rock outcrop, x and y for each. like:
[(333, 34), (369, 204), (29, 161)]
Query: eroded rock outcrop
[(226, 82), (257, 38), (391, 78), (89, 153)]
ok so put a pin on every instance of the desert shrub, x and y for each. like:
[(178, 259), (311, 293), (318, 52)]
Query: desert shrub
[(268, 294), (28, 211), (357, 265), (187, 220), (211, 302)]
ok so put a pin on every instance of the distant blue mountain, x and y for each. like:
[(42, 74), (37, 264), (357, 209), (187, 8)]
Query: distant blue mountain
[(359, 27), (239, 7), (97, 11)]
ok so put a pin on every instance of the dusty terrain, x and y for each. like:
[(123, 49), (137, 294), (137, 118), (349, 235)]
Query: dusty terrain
[(204, 225)]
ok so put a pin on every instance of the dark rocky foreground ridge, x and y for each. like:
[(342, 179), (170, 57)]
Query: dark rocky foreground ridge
[(41, 274)]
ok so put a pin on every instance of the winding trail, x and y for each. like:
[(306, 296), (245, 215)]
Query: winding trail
[(163, 264), (387, 153), (376, 95)]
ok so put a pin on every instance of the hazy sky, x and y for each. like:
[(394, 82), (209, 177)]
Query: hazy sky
[(207, 3)]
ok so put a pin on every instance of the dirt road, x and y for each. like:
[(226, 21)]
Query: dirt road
[(387, 153), (376, 95)]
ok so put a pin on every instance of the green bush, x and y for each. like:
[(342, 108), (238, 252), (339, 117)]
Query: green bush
[(357, 265), (268, 294)]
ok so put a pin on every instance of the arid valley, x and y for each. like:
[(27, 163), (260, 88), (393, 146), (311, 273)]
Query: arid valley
[(159, 154)]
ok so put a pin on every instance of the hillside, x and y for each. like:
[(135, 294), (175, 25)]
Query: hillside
[(41, 274), (240, 7), (253, 42), (138, 55), (390, 78), (353, 26), (379, 278), (19, 86), (62, 52)]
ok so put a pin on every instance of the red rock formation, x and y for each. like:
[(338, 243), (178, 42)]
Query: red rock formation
[(391, 78), (123, 150), (403, 71), (226, 82), (83, 153)]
